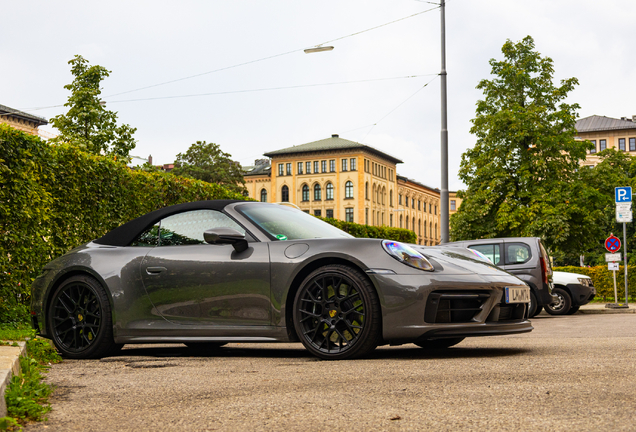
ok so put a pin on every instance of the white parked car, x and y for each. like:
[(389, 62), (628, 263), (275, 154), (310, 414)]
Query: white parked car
[(573, 290)]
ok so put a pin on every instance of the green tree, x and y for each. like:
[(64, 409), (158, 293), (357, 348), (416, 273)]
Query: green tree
[(207, 162), (88, 124), (522, 176)]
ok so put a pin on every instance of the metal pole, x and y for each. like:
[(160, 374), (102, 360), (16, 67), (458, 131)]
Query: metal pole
[(625, 254), (615, 293), (444, 217)]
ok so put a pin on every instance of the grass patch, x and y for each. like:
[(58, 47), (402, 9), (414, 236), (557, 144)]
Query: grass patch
[(27, 395), (13, 334)]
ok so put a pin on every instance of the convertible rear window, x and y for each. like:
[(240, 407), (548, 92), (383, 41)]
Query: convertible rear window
[(286, 223)]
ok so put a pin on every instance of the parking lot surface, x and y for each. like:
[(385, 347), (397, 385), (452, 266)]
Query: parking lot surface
[(571, 373)]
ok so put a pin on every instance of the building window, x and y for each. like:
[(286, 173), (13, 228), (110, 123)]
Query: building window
[(289, 171), (435, 231), (329, 191), (621, 144), (391, 220), (263, 195), (400, 200), (452, 205), (305, 192), (330, 213), (317, 213), (349, 189), (413, 202), (332, 165), (413, 223), (419, 227), (632, 144), (593, 149), (316, 167), (366, 190), (352, 165), (407, 223), (366, 216), (323, 165), (280, 169), (435, 209), (424, 228), (349, 214), (419, 205), (284, 194), (430, 229), (308, 167), (300, 167), (344, 164), (602, 144), (391, 198), (430, 208), (317, 192), (400, 221)]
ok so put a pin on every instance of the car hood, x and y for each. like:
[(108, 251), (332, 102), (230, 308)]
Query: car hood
[(458, 260)]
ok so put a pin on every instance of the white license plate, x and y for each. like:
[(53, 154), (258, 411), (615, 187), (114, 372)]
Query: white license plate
[(517, 294)]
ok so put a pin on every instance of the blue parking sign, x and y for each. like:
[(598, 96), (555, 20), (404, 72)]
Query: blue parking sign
[(623, 194)]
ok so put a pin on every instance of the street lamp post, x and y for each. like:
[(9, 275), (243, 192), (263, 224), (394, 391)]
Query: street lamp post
[(444, 219)]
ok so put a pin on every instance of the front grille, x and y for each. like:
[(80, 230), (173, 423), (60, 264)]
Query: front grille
[(453, 306), (507, 312)]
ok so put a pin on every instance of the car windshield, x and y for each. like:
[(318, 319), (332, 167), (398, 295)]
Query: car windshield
[(286, 223)]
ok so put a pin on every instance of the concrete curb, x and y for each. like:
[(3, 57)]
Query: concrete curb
[(599, 308), (9, 366)]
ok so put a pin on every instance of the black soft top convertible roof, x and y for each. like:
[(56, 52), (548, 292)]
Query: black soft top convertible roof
[(126, 233)]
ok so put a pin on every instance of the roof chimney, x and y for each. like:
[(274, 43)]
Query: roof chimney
[(634, 118), (334, 136)]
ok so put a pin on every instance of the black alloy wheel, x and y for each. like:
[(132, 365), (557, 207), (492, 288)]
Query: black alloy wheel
[(439, 343), (80, 320), (337, 313), (563, 306)]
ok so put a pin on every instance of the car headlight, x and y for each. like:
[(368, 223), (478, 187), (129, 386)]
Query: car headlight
[(407, 255), (585, 281)]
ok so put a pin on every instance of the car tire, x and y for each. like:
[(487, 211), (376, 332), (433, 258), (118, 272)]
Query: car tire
[(573, 310), (439, 343), (563, 306), (80, 319), (533, 307), (337, 313)]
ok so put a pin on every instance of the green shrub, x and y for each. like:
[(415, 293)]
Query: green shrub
[(604, 280), (42, 351), (368, 231), (56, 197)]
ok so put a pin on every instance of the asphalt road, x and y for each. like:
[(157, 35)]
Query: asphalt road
[(571, 373)]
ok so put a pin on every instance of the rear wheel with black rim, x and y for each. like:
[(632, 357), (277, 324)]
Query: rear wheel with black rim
[(80, 319), (337, 313)]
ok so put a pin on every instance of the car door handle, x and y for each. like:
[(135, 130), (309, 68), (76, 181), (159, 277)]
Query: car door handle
[(155, 270)]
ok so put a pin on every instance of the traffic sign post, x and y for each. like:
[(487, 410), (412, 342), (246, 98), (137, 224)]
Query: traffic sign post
[(623, 199)]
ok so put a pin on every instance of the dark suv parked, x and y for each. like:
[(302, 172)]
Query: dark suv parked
[(524, 257)]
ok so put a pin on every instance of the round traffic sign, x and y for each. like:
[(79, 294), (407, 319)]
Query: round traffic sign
[(612, 244)]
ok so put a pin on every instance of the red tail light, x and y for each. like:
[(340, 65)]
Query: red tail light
[(544, 270)]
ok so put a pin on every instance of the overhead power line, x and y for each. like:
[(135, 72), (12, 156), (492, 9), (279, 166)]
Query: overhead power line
[(268, 57), (269, 88)]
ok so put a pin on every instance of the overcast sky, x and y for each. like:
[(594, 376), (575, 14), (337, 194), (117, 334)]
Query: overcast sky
[(145, 43)]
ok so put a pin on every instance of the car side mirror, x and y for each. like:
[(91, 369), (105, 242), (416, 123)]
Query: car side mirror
[(226, 236)]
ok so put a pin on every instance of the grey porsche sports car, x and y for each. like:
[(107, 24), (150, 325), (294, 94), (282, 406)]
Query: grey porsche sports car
[(211, 272)]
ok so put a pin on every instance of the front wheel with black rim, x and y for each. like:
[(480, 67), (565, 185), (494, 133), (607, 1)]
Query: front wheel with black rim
[(563, 305), (80, 320), (337, 313), (439, 343)]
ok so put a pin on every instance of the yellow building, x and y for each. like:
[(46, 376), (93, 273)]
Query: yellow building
[(20, 120), (346, 180), (606, 132)]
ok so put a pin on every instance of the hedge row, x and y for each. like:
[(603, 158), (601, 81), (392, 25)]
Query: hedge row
[(604, 280), (56, 197), (367, 231)]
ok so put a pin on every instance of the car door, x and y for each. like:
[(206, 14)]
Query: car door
[(191, 282), (518, 259)]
